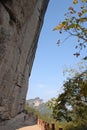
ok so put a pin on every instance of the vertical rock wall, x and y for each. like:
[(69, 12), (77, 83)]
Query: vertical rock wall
[(20, 25)]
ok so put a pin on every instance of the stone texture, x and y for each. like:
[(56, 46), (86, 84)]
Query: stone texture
[(20, 26), (19, 121)]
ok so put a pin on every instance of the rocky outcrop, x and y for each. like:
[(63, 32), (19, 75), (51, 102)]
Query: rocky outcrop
[(36, 102), (20, 26), (19, 121)]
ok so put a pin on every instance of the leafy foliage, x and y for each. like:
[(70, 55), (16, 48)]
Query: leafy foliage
[(29, 109), (71, 105), (41, 110), (76, 126), (75, 24)]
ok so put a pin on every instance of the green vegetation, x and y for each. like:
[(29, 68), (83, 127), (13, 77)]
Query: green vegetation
[(70, 107), (76, 126), (31, 110), (41, 110), (47, 117)]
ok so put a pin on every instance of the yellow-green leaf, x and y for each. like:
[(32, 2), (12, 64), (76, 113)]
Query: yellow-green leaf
[(84, 0), (82, 19), (75, 1), (84, 11), (59, 27)]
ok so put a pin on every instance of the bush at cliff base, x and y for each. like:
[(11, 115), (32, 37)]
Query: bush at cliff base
[(76, 126)]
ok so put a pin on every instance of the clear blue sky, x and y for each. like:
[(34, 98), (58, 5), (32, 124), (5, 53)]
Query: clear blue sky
[(46, 78)]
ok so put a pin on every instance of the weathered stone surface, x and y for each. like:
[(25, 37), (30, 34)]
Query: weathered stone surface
[(20, 25), (19, 121)]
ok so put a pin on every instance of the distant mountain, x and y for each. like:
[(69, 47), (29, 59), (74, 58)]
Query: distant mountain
[(34, 102), (39, 105)]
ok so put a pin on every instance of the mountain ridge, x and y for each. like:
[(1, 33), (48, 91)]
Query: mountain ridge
[(39, 105)]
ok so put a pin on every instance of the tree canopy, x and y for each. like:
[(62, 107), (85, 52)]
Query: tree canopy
[(72, 103), (75, 24)]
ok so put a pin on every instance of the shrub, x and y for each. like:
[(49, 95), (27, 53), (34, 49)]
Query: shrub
[(76, 126)]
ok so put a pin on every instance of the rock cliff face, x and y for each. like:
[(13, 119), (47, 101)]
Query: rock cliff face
[(20, 25)]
